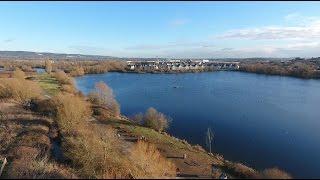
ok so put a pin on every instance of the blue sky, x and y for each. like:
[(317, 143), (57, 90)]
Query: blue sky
[(163, 29)]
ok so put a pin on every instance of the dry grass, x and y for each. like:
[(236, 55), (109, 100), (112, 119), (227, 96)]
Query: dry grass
[(25, 152), (240, 170), (72, 111), (102, 113), (62, 77), (24, 141), (150, 162), (23, 168), (45, 107), (69, 88), (92, 152), (19, 89), (199, 148), (275, 173), (19, 74)]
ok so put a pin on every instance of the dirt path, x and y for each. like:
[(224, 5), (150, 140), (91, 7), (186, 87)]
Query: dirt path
[(25, 141), (190, 167)]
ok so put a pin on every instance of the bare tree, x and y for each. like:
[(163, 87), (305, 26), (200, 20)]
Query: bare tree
[(48, 65), (103, 96), (155, 120), (209, 138)]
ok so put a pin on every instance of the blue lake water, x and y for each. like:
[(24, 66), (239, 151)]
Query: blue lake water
[(259, 120), (39, 70)]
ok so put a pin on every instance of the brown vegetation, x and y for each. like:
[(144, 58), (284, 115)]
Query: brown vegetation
[(150, 162), (63, 78), (18, 74), (93, 155), (275, 173), (69, 88), (71, 111), (78, 71), (296, 68), (25, 143), (152, 119), (240, 170), (48, 66), (78, 68), (21, 90), (103, 96)]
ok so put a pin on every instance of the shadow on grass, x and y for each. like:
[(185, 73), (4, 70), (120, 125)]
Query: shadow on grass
[(26, 122), (231, 171), (187, 175), (115, 122), (175, 157)]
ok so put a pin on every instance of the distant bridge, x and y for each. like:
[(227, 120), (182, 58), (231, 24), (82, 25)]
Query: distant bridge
[(178, 65)]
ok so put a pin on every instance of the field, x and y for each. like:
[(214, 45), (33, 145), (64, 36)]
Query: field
[(48, 83)]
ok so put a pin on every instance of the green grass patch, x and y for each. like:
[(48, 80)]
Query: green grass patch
[(48, 83), (160, 138), (151, 135)]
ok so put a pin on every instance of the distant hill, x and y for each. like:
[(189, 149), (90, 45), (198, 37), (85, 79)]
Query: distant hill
[(27, 55)]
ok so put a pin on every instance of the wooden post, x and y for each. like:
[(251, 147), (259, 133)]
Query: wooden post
[(2, 166), (184, 156), (104, 160)]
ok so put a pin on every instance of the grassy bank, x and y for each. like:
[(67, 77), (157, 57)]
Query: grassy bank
[(48, 83)]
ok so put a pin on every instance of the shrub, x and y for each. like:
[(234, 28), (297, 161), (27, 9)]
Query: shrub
[(19, 89), (5, 90), (27, 68), (102, 113), (71, 111), (155, 120), (240, 170), (102, 95), (275, 173), (94, 155), (78, 71), (18, 73), (92, 152), (62, 77), (48, 66), (150, 162), (69, 88), (137, 118), (44, 106)]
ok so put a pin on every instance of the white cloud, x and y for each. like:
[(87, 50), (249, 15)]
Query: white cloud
[(8, 40), (309, 30), (86, 49), (300, 20), (303, 45), (183, 44), (178, 22), (302, 48), (298, 36), (292, 16)]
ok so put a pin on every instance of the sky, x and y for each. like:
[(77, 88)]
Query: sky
[(163, 29)]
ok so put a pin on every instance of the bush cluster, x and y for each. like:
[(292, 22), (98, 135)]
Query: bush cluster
[(152, 119)]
